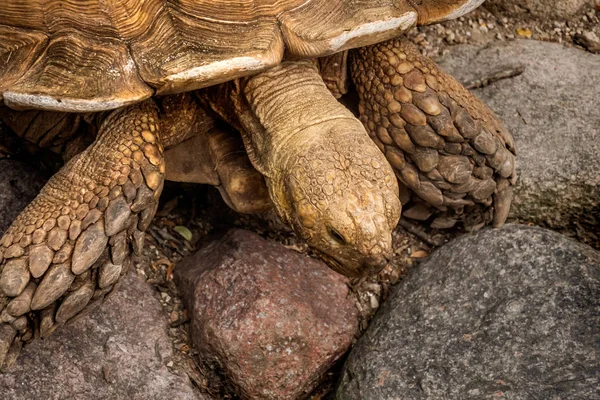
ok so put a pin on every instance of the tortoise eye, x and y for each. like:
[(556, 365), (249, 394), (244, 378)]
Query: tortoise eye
[(336, 236)]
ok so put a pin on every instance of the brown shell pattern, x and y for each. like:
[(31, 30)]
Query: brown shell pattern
[(73, 55)]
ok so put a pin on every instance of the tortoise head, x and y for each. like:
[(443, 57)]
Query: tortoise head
[(342, 199)]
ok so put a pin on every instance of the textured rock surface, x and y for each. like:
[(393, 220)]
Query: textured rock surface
[(119, 351), (508, 313), (541, 8), (552, 111), (273, 320), (19, 184)]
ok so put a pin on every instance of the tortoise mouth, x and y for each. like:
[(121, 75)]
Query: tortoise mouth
[(356, 270)]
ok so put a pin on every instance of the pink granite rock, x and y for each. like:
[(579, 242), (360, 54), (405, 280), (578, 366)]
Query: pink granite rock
[(272, 320)]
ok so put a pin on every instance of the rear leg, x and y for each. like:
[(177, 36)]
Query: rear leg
[(218, 157), (72, 243)]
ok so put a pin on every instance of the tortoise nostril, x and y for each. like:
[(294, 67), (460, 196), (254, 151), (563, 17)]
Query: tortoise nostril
[(336, 236)]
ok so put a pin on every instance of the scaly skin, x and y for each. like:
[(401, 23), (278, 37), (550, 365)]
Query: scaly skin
[(69, 247), (218, 158), (443, 142), (71, 244), (195, 149), (57, 131), (325, 176)]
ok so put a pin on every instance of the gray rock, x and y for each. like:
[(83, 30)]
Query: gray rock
[(269, 319), (589, 40), (118, 351), (19, 184), (508, 313), (558, 9), (552, 111)]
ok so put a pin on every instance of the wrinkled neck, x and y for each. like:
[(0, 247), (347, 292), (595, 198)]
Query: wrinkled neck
[(294, 108)]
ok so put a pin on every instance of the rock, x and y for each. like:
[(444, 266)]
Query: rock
[(558, 9), (118, 351), (272, 320), (552, 111), (505, 313), (589, 40), (19, 184)]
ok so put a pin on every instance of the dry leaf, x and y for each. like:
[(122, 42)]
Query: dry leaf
[(524, 32), (169, 273), (419, 254), (185, 348), (184, 232), (161, 261), (167, 222)]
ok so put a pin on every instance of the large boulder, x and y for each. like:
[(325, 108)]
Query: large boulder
[(118, 351), (507, 313), (269, 319), (19, 184), (552, 111)]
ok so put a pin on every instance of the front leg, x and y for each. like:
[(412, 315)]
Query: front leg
[(443, 142), (71, 244)]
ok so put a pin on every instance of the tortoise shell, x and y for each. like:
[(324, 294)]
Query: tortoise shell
[(93, 55)]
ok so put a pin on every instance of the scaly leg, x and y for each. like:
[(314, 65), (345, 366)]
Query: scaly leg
[(217, 157), (69, 247), (443, 142)]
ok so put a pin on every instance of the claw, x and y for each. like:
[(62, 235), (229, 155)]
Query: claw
[(47, 325), (14, 278), (109, 273), (118, 248), (502, 201), (13, 354), (67, 250), (89, 247), (54, 284), (22, 303), (74, 302)]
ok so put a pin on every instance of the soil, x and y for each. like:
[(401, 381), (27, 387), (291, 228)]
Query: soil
[(483, 26)]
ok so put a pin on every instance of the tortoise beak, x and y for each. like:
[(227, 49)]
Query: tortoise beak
[(368, 267)]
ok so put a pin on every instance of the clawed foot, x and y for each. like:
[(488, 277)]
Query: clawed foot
[(66, 251)]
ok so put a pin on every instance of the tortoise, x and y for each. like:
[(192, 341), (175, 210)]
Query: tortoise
[(326, 178)]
